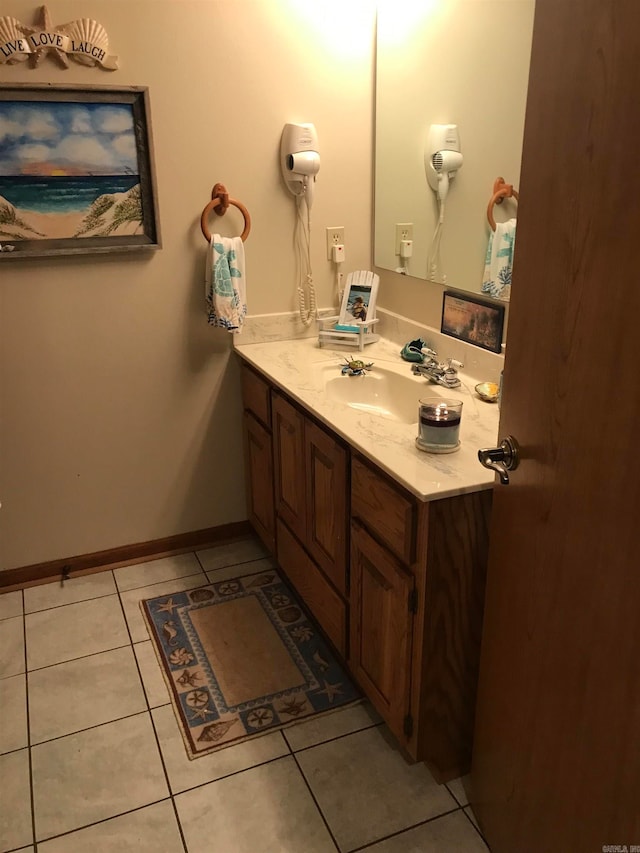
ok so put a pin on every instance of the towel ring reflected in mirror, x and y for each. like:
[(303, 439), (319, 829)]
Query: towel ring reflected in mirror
[(500, 192), (220, 202)]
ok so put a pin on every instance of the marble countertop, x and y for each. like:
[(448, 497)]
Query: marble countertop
[(295, 366)]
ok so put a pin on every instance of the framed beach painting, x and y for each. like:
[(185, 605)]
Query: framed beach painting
[(76, 171), (473, 320)]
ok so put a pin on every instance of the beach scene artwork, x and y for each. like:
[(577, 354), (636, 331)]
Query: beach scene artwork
[(68, 170)]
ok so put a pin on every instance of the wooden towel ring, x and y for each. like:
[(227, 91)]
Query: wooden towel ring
[(220, 202), (500, 192)]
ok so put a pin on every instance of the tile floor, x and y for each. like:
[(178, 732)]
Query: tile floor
[(91, 757)]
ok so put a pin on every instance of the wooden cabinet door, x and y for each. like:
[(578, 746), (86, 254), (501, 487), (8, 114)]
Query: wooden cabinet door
[(259, 479), (381, 628), (327, 516), (289, 474)]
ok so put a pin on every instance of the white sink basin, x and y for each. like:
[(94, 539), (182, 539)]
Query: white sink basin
[(381, 391)]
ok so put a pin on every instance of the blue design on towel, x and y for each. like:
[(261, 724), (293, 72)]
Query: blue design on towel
[(499, 261), (225, 285)]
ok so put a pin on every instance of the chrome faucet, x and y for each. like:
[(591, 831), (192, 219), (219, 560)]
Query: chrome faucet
[(442, 373)]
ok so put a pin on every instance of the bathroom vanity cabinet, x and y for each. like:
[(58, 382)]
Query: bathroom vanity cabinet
[(396, 583)]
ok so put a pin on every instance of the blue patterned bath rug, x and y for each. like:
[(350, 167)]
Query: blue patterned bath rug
[(242, 658)]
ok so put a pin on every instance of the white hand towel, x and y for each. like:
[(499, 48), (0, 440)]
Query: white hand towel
[(499, 261), (225, 283)]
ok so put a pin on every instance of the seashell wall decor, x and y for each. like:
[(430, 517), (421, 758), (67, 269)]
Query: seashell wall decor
[(83, 40)]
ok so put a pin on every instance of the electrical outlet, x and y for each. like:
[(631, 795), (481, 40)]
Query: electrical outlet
[(335, 237), (404, 231)]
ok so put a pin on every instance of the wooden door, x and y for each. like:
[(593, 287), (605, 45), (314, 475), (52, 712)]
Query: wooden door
[(289, 474), (259, 477), (327, 515), (381, 628), (556, 762)]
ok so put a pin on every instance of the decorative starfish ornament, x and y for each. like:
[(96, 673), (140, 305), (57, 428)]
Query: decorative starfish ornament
[(44, 23)]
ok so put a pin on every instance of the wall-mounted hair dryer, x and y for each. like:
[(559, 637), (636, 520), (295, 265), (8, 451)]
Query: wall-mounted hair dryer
[(442, 157), (299, 159)]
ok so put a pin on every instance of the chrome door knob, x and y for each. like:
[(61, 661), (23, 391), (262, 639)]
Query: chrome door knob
[(501, 459)]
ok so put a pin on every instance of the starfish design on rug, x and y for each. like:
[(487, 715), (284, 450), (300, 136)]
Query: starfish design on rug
[(215, 731), (167, 607), (260, 717), (228, 588), (293, 708), (280, 600), (44, 23), (301, 633), (331, 690), (190, 678), (201, 713)]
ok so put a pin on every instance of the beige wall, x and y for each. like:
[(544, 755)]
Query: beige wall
[(120, 407)]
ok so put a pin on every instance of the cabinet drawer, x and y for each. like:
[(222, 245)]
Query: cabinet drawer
[(388, 512), (255, 395), (319, 596)]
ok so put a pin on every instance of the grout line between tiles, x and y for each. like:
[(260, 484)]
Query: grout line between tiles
[(370, 844), (98, 822), (446, 784), (80, 657), (317, 804), (90, 728), (337, 737), (473, 825), (28, 721), (198, 570), (229, 775), (69, 603), (153, 727)]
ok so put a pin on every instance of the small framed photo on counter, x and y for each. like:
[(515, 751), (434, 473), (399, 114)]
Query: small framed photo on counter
[(472, 320), (359, 299)]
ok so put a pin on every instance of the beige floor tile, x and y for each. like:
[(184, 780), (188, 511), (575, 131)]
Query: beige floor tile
[(156, 571), (10, 604), (154, 684), (367, 790), (15, 809), (456, 787), (132, 598), (64, 633), (266, 809), (72, 696), (470, 814), (235, 570), (449, 834), (329, 726), (96, 774), (75, 589), (242, 551), (11, 647), (185, 774), (13, 713), (153, 829)]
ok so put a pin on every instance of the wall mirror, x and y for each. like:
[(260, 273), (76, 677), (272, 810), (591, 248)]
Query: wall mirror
[(463, 62)]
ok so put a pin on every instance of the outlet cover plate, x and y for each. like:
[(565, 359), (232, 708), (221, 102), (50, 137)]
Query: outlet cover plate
[(335, 237), (404, 231)]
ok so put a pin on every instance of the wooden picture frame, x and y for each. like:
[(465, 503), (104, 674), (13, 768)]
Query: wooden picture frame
[(359, 299), (76, 171), (475, 321)]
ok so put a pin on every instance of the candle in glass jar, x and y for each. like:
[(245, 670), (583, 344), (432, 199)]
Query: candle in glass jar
[(440, 422)]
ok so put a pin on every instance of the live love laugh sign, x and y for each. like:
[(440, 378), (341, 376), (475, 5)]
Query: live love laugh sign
[(84, 40)]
